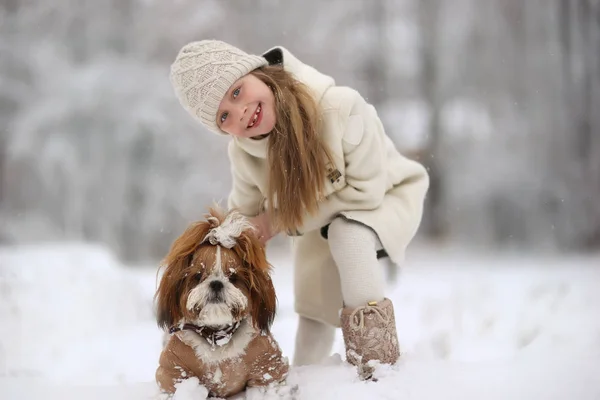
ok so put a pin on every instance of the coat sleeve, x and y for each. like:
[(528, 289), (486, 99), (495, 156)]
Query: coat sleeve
[(269, 367), (244, 194), (364, 157), (377, 177)]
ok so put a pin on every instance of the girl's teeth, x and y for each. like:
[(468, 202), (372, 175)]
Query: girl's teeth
[(255, 117)]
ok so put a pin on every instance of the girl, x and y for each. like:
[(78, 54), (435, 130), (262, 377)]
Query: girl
[(311, 159)]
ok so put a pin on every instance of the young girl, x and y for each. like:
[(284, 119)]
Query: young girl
[(311, 159)]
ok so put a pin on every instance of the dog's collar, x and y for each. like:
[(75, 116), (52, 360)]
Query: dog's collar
[(214, 336)]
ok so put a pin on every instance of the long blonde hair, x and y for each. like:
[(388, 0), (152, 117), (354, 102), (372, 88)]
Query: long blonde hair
[(297, 155)]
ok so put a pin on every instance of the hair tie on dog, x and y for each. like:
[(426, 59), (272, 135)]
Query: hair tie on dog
[(229, 231)]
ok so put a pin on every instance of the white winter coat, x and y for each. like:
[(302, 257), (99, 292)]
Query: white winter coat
[(376, 186)]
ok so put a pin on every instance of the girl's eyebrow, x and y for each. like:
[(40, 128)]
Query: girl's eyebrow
[(227, 94), (233, 87), (219, 112)]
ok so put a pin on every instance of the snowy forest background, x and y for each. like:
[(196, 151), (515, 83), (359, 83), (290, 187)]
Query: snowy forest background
[(500, 99)]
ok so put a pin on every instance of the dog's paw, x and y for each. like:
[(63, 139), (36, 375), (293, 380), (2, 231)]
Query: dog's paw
[(190, 389)]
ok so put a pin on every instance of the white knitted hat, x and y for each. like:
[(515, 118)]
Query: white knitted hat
[(203, 72)]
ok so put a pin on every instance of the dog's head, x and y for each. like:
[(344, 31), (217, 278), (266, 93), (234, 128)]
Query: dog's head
[(216, 274)]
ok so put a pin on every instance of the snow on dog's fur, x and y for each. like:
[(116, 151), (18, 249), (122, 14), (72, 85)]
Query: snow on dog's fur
[(217, 302)]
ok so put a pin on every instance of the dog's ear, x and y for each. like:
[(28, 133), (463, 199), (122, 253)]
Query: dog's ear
[(169, 302), (264, 300), (169, 309), (262, 292)]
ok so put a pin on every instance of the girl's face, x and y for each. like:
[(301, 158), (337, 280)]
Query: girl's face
[(247, 109)]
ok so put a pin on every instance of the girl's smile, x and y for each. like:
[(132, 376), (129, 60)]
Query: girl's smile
[(256, 118)]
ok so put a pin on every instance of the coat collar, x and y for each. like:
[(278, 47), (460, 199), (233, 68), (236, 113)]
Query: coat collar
[(256, 148), (317, 81)]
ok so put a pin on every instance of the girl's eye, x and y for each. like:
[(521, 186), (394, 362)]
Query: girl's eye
[(236, 93), (198, 276), (224, 116)]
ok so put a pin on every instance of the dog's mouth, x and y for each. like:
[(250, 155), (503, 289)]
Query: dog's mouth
[(216, 299)]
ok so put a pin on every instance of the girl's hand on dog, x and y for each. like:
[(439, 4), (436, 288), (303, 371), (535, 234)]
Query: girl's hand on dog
[(264, 228)]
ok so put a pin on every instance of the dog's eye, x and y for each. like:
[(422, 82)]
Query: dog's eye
[(198, 276), (233, 278)]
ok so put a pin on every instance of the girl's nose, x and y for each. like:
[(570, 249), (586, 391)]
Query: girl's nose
[(243, 112)]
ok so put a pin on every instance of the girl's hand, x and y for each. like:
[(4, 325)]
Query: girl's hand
[(264, 228)]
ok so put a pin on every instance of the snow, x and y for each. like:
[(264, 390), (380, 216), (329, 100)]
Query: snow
[(190, 389), (78, 324), (72, 313)]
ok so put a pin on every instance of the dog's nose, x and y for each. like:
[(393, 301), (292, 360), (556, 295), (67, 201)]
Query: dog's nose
[(216, 285)]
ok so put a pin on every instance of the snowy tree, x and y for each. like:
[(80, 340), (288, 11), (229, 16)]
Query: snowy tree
[(575, 165), (498, 99)]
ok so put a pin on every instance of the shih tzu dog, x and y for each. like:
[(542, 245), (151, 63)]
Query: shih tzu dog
[(217, 302)]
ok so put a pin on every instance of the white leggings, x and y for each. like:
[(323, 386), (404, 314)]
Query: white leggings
[(353, 247)]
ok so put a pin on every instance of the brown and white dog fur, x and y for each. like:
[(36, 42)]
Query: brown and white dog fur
[(217, 301)]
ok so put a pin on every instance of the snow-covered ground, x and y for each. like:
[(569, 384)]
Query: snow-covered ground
[(75, 324)]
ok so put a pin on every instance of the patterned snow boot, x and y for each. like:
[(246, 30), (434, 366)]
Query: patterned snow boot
[(370, 334)]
